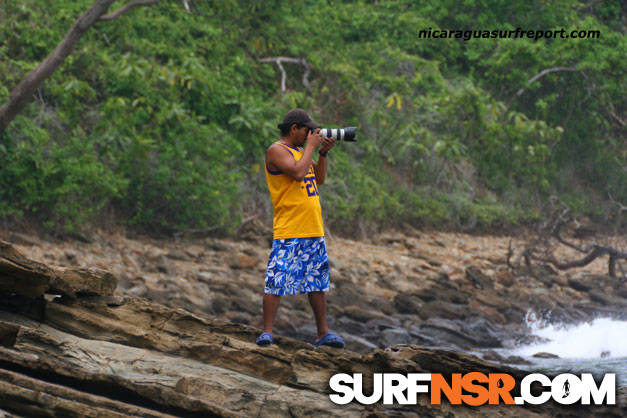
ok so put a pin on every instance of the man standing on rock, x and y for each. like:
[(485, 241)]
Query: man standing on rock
[(298, 262)]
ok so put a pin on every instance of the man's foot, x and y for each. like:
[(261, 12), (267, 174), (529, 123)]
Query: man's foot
[(331, 340), (265, 339)]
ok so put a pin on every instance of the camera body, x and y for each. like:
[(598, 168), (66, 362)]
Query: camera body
[(343, 134)]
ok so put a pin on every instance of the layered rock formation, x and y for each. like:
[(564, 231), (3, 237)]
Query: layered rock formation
[(70, 347), (433, 289)]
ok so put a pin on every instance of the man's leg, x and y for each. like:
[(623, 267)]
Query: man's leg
[(270, 306), (318, 303)]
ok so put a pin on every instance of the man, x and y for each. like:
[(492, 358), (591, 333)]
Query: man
[(298, 262)]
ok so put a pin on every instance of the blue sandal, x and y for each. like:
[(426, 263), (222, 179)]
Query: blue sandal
[(265, 339), (331, 340)]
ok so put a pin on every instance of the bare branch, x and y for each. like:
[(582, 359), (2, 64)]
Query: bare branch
[(24, 91), (510, 252), (588, 6), (558, 237), (615, 116), (598, 251), (541, 248), (127, 7), (192, 7), (551, 70), (545, 72), (280, 60)]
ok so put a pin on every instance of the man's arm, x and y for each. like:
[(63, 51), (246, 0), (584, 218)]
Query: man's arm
[(278, 158), (320, 167)]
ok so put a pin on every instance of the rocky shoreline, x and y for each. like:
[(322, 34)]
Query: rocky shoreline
[(169, 327), (441, 290)]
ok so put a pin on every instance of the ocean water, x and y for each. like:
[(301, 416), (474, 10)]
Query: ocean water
[(596, 347)]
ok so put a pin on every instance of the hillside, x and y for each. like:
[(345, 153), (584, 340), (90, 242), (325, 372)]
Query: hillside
[(159, 119)]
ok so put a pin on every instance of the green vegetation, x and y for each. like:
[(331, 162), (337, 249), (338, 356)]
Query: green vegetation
[(162, 117)]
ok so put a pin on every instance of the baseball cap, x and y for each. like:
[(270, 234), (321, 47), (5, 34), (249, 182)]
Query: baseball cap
[(298, 117)]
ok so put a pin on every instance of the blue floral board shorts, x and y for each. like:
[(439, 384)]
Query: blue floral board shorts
[(297, 265)]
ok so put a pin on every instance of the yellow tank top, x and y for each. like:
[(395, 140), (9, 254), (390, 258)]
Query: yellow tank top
[(297, 212)]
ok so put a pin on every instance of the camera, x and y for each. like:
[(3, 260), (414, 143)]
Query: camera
[(344, 134)]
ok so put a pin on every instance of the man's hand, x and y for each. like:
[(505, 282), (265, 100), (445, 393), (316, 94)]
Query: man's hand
[(327, 144), (314, 138)]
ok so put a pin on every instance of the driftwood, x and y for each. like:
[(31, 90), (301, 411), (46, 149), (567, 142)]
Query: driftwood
[(541, 249)]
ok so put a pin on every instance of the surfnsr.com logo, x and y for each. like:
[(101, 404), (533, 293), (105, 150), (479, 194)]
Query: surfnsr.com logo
[(474, 389)]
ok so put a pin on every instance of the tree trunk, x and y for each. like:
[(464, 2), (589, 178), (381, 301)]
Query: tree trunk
[(23, 93)]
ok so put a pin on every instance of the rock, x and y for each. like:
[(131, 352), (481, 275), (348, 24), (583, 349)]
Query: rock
[(42, 397), (392, 238), (543, 271), (445, 292), (490, 299), (194, 251), (441, 309), (139, 350), (445, 332), (606, 298), (220, 305), (358, 314), (70, 256), (22, 239), (72, 282), (163, 266), (487, 312), (129, 261), (243, 261), (347, 295), (216, 245), (127, 356), (477, 333), (586, 282), (178, 255), (516, 360), (394, 336), (351, 326), (492, 355), (579, 284), (426, 258), (380, 324), (559, 280), (358, 344), (206, 277), (545, 355), (254, 230), (19, 275), (478, 279), (484, 333), (506, 279), (407, 304)]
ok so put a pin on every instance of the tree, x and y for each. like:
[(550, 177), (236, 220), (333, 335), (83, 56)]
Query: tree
[(23, 92)]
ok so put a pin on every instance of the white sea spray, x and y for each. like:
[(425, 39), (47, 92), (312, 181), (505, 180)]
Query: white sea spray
[(602, 337)]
